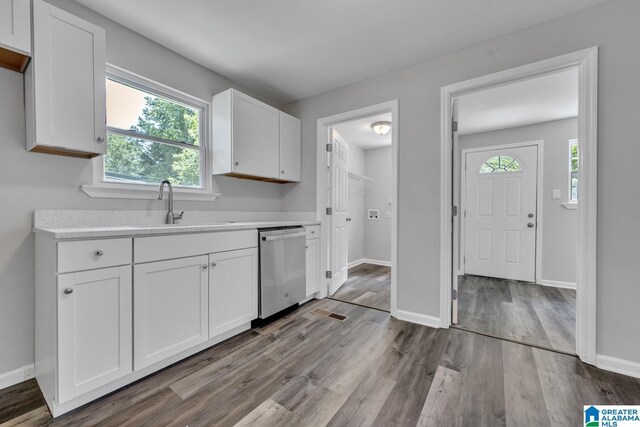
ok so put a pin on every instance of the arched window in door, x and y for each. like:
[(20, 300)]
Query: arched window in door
[(500, 164)]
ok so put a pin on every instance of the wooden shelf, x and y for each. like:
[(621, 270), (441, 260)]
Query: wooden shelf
[(13, 61)]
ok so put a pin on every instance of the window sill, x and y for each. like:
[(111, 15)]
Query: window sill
[(570, 205), (119, 191)]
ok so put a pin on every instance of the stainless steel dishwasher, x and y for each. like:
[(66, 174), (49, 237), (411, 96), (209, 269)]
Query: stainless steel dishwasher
[(282, 269)]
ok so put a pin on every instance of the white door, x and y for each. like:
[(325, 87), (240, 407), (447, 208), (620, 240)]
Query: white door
[(290, 148), (501, 210), (170, 308), (313, 274), (256, 137), (94, 329), (70, 100), (339, 186), (233, 289)]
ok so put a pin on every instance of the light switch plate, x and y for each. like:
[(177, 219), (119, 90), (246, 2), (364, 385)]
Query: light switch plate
[(388, 214), (555, 194)]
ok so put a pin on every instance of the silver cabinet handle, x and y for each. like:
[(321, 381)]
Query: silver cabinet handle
[(283, 236), (213, 264), (236, 163), (99, 253), (68, 291), (530, 215), (205, 266), (530, 225), (100, 140), (348, 219)]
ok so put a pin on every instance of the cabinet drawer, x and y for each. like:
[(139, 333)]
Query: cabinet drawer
[(313, 231), (90, 254), (158, 248)]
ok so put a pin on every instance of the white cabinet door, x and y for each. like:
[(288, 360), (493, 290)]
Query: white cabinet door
[(15, 25), (290, 148), (313, 266), (256, 135), (94, 329), (233, 289), (66, 84), (170, 300)]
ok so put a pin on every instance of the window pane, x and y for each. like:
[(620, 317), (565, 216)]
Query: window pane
[(137, 160), (133, 109), (500, 164)]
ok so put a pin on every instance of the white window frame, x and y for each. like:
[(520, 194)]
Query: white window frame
[(110, 189), (571, 204)]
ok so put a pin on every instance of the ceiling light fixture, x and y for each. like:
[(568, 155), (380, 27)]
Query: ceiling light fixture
[(381, 128)]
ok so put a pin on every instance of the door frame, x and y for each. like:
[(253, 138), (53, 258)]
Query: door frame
[(323, 127), (586, 61), (539, 199)]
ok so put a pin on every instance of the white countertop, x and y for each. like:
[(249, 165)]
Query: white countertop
[(159, 229)]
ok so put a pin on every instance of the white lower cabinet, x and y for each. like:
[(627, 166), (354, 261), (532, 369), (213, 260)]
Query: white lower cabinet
[(94, 324), (170, 308), (313, 266), (233, 289)]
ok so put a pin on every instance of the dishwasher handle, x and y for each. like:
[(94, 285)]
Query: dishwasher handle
[(283, 236)]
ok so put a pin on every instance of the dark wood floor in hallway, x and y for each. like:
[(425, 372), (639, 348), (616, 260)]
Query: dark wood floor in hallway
[(371, 369), (519, 311), (368, 285)]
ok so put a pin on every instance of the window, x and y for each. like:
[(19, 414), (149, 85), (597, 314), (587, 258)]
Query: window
[(151, 137), (573, 171), (500, 164)]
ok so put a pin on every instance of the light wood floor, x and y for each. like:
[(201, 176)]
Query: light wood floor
[(368, 285), (310, 370), (520, 311)]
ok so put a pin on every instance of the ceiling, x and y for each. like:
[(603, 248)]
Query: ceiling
[(538, 100), (292, 49), (358, 132)]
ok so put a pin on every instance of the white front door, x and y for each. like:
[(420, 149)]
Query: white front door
[(501, 213), (339, 186)]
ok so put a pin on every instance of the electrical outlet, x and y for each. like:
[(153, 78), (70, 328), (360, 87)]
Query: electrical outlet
[(374, 214)]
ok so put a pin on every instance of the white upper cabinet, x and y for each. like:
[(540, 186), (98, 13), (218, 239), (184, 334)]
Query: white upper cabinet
[(290, 148), (15, 30), (248, 137), (65, 85)]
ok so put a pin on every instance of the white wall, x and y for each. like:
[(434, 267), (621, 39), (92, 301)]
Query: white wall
[(30, 181), (356, 211), (377, 233), (560, 225), (612, 26)]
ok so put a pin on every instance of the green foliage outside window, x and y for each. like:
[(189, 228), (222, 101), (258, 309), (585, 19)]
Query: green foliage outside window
[(133, 159)]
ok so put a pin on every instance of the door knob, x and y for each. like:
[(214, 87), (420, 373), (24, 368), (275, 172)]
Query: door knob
[(213, 264), (530, 225), (348, 219), (530, 215), (205, 266), (68, 291)]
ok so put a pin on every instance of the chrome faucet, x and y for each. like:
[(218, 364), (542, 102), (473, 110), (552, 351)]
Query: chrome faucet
[(171, 217)]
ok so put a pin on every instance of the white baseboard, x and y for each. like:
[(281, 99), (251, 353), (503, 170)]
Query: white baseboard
[(557, 284), (356, 263), (376, 262), (16, 376), (620, 366), (420, 319)]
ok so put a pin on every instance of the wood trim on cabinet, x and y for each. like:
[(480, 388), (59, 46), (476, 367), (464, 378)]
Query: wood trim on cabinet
[(13, 61)]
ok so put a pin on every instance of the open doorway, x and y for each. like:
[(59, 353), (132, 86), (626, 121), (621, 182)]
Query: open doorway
[(516, 238), (368, 223), (357, 188)]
